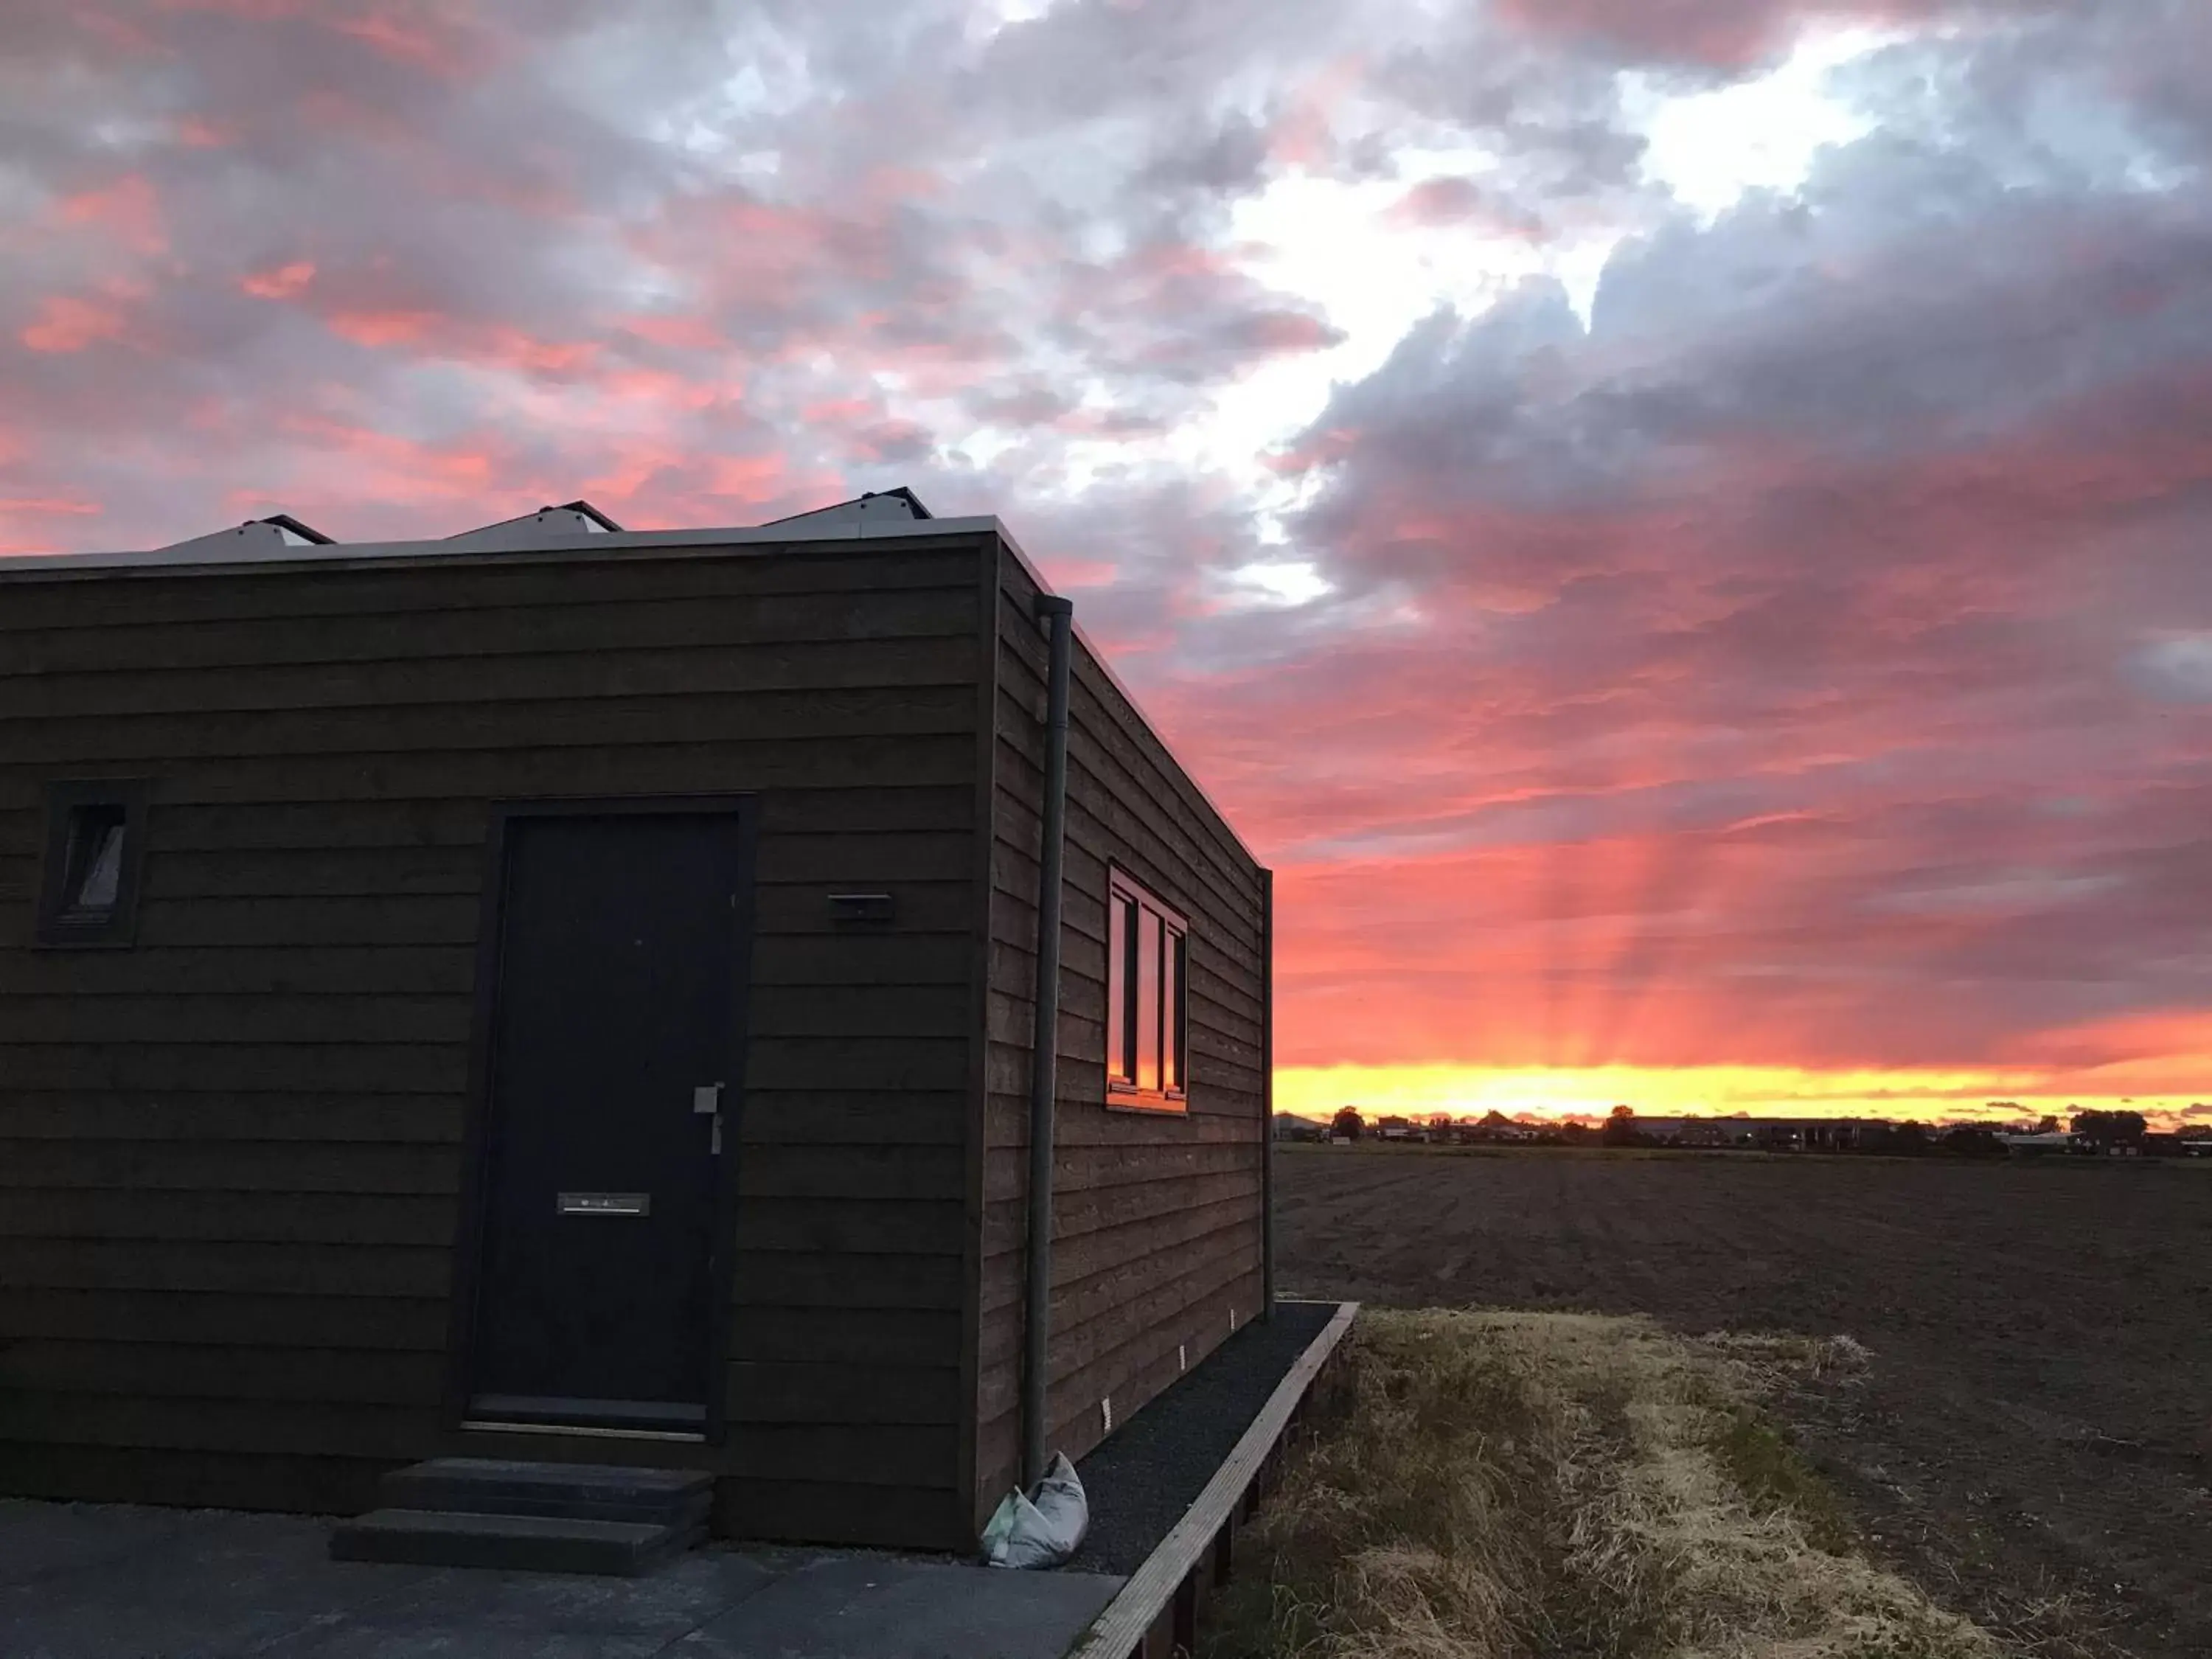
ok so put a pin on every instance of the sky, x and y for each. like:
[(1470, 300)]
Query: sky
[(1681, 529)]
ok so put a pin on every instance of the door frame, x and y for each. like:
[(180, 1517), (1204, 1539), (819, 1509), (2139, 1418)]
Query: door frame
[(475, 1150)]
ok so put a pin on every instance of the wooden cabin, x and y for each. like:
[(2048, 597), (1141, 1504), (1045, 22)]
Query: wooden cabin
[(566, 993)]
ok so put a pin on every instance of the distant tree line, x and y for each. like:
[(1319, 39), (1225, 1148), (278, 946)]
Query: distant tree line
[(2122, 1132)]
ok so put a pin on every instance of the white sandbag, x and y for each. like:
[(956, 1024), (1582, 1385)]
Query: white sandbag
[(1040, 1528)]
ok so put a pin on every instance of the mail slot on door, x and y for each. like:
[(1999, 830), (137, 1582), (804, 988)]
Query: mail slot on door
[(605, 1203)]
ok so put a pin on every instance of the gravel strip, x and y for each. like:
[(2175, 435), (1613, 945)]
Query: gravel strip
[(1141, 1478)]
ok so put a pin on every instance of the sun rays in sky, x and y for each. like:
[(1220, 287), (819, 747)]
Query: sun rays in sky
[(1678, 531)]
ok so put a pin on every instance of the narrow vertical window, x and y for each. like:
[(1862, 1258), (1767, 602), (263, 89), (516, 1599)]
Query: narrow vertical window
[(1172, 1034), (1120, 1006), (1148, 999), (1147, 1034), (89, 894)]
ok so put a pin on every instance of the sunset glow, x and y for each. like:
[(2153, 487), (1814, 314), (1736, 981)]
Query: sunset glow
[(1710, 1091), (1681, 532)]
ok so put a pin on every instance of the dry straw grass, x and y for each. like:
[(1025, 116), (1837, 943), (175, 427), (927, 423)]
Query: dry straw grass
[(1565, 1486)]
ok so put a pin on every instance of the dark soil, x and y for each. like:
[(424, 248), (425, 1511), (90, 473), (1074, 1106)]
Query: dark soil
[(2032, 1439), (1141, 1478)]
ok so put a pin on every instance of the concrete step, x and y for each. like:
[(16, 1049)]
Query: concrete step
[(594, 1492), (532, 1543)]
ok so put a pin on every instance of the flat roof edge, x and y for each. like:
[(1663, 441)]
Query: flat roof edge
[(347, 553)]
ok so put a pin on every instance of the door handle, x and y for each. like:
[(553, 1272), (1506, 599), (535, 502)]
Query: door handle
[(707, 1099)]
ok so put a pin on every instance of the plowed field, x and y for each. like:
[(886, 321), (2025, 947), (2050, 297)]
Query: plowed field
[(2031, 1436)]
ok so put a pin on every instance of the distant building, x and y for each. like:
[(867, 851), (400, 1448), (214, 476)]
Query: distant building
[(2039, 1144)]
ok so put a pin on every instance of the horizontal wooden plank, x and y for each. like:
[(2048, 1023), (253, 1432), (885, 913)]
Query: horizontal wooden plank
[(768, 1222), (761, 1392), (193, 1479), (856, 1062), (344, 971), (189, 1018), (793, 1174), (168, 1115), (664, 767), (736, 620), (460, 821), (1180, 1233), (464, 582), (249, 1322), (852, 957), (307, 922), (225, 1215), (829, 1279), (871, 1010), (1158, 1286), (614, 670), (807, 858), (859, 1456), (221, 1069), (1094, 1168), (1100, 1322), (293, 1427), (856, 1117), (1166, 1278), (190, 738), (309, 873), (203, 1372), (1136, 1373), (326, 923), (1088, 1331), (251, 1269), (1133, 1211), (794, 1117), (834, 1336)]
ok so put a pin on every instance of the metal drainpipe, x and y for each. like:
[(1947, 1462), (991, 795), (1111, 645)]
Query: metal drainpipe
[(1268, 1094), (1058, 615)]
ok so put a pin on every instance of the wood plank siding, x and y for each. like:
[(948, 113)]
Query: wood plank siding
[(231, 1157), (1157, 1218)]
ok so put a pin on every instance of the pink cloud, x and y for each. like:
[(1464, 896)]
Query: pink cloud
[(282, 283), (1439, 203), (412, 35), (383, 328), (49, 504), (66, 324), (1726, 33), (126, 208)]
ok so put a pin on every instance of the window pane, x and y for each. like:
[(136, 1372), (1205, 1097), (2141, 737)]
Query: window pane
[(1120, 961), (1148, 999), (1171, 1066), (94, 879)]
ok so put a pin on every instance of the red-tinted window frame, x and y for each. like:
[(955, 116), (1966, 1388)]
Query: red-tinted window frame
[(1125, 898)]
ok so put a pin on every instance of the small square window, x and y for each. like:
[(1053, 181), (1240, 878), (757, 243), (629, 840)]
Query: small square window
[(94, 838), (1147, 1027)]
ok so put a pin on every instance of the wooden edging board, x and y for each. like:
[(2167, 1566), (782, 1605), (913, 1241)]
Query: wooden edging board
[(1121, 1630)]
